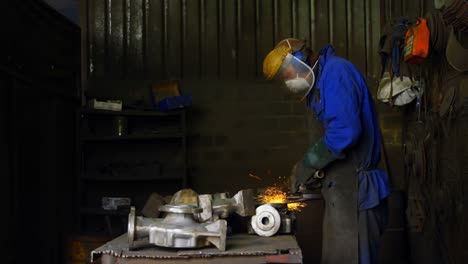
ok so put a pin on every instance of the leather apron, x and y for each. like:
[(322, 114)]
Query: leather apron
[(340, 222)]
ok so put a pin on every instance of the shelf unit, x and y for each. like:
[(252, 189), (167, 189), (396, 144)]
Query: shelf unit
[(132, 137), (123, 152)]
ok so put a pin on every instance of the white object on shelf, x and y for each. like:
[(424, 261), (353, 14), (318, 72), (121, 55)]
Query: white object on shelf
[(113, 203), (112, 105)]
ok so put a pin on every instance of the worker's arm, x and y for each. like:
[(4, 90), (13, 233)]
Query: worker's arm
[(340, 100)]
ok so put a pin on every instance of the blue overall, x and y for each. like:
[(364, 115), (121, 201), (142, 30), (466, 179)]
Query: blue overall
[(344, 106)]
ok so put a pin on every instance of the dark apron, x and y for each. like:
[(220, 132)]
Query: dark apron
[(340, 222)]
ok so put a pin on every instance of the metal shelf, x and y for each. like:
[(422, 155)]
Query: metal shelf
[(100, 211), (129, 112), (170, 126), (134, 137), (130, 179)]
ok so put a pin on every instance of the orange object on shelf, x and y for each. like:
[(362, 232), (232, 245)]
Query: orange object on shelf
[(417, 42), (164, 90)]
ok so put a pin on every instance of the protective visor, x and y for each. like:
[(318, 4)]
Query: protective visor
[(298, 77)]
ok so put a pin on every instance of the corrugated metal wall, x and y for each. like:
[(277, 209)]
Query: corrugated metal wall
[(201, 39), (410, 9)]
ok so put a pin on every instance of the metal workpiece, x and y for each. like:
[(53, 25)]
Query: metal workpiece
[(191, 225), (288, 218), (178, 229), (205, 202), (271, 219), (220, 205), (266, 222), (180, 209)]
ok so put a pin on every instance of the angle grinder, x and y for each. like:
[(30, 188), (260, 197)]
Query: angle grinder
[(303, 197)]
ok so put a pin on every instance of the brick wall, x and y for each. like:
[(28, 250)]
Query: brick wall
[(241, 128)]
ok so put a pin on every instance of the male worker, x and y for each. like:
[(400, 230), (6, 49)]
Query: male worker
[(353, 188)]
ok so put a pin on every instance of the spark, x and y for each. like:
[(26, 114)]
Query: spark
[(296, 206), (274, 194), (255, 177)]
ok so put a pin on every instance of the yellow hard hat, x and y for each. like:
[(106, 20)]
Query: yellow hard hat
[(294, 43), (273, 61), (275, 58), (285, 63)]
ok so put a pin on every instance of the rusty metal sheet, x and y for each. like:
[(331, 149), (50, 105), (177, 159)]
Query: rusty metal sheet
[(357, 33), (155, 31), (236, 245), (284, 19), (96, 45), (247, 43), (304, 20), (322, 29), (338, 26), (265, 31), (228, 39), (191, 40), (119, 247), (244, 244), (210, 42), (134, 59), (115, 36), (173, 48), (108, 259), (373, 20)]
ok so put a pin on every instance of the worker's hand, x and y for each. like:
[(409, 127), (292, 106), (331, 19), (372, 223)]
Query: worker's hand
[(300, 176)]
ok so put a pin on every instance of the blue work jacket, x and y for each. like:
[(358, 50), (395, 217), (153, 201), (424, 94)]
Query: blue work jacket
[(343, 104)]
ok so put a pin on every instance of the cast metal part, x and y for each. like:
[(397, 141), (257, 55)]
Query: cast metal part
[(242, 203), (178, 229), (287, 220), (220, 205), (205, 202), (267, 221)]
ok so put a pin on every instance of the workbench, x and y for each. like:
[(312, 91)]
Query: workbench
[(240, 248)]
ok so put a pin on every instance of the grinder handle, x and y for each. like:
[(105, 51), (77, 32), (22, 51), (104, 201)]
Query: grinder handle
[(319, 174)]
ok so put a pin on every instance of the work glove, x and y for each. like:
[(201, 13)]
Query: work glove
[(301, 176), (318, 156)]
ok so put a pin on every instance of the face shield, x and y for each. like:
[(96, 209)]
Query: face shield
[(298, 77)]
